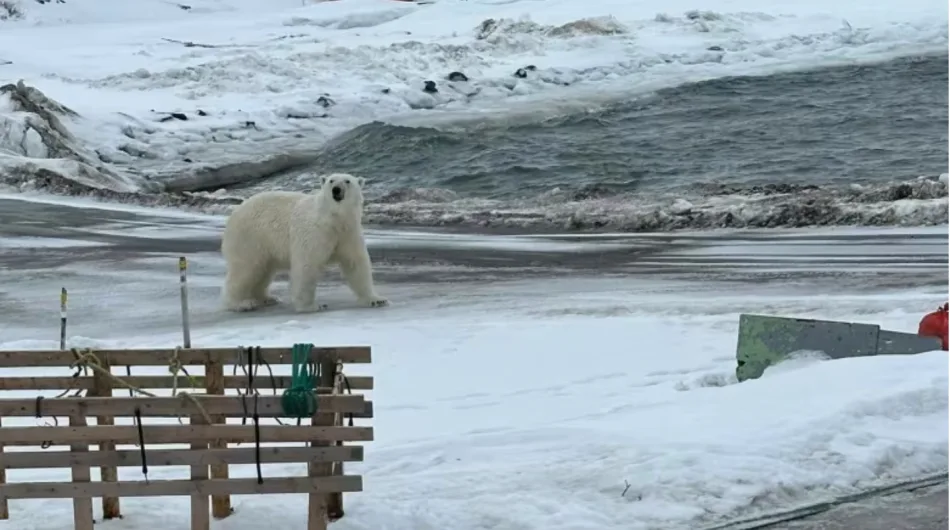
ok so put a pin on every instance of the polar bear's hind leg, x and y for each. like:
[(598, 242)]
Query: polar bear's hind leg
[(261, 294), (245, 286)]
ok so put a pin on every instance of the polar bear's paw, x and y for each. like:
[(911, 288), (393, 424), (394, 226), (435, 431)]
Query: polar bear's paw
[(311, 308), (269, 301), (378, 302), (244, 306)]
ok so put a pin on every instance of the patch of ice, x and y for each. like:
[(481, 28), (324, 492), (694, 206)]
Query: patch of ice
[(20, 243)]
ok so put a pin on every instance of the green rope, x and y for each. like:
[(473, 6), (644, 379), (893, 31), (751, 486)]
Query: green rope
[(300, 401)]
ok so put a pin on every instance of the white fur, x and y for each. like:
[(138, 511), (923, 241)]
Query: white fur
[(302, 233)]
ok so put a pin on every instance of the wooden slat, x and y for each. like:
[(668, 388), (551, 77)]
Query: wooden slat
[(335, 501), (262, 382), (180, 457), (318, 504), (103, 390), (200, 505), (82, 479), (232, 405), (214, 384), (367, 411), (172, 434), (163, 357), (162, 488)]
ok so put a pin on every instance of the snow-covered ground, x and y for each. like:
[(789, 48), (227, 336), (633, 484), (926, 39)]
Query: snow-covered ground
[(262, 78), (565, 403), (561, 403)]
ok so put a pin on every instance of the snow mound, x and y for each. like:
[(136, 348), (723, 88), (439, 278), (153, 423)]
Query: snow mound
[(37, 149), (39, 152), (504, 30)]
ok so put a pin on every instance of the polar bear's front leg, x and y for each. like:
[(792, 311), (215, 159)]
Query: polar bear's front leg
[(357, 271), (306, 267), (303, 288)]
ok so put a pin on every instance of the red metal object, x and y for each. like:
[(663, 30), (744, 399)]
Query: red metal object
[(935, 325)]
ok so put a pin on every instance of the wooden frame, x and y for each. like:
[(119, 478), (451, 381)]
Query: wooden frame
[(202, 429)]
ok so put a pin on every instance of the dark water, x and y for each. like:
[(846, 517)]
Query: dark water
[(865, 124)]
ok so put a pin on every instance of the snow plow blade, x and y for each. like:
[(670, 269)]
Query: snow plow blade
[(766, 340)]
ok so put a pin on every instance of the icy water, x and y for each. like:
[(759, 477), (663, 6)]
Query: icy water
[(868, 124)]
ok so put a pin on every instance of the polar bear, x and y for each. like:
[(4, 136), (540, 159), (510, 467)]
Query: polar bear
[(302, 233)]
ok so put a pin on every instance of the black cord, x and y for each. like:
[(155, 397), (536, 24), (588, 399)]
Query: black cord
[(251, 371), (270, 372), (138, 422), (349, 390), (257, 442), (39, 415), (273, 380), (250, 374), (247, 374)]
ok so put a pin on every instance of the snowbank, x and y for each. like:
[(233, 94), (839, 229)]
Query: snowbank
[(649, 432)]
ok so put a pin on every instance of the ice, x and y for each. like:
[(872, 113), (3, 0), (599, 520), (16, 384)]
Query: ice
[(42, 242), (88, 203), (285, 76)]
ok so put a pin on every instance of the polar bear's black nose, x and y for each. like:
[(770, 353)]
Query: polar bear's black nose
[(337, 193)]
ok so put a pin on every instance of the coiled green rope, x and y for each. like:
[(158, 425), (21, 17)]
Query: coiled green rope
[(300, 400)]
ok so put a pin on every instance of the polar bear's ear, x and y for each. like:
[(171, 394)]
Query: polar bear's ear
[(324, 179), (361, 181)]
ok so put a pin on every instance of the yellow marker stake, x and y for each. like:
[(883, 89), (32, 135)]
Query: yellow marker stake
[(63, 297), (183, 282)]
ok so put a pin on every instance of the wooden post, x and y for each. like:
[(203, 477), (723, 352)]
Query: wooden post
[(4, 504), (317, 511), (214, 385), (102, 387), (319, 505), (200, 508), (82, 506), (335, 502)]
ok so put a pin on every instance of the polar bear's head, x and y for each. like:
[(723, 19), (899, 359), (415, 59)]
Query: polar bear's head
[(342, 190)]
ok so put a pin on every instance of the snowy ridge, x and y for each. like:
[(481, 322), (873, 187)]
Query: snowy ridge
[(36, 147), (918, 202), (922, 201), (170, 92)]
